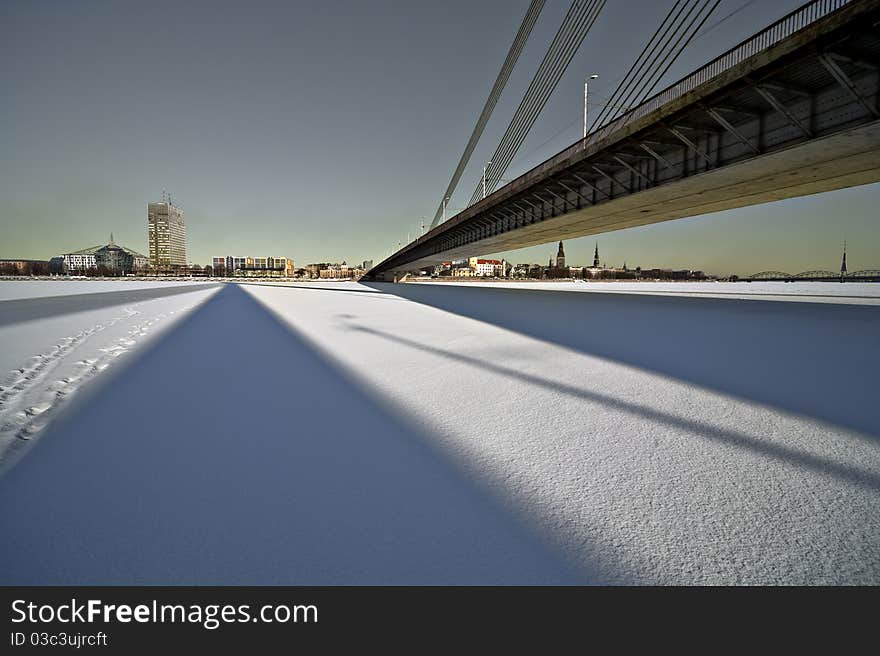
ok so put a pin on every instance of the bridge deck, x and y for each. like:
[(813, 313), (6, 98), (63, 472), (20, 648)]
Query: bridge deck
[(795, 115)]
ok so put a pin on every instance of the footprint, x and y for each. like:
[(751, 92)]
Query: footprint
[(31, 428), (35, 410)]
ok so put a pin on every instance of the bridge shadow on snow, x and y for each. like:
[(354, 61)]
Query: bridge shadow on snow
[(817, 360), (850, 474), (231, 452)]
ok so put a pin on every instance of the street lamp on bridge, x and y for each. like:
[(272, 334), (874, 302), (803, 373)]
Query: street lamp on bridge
[(586, 90)]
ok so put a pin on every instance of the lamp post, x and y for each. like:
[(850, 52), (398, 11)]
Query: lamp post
[(445, 200), (586, 89), (488, 164)]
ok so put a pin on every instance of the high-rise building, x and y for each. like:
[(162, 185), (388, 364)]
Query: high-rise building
[(167, 234)]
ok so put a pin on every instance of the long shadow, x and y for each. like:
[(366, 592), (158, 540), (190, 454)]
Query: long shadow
[(353, 290), (815, 359), (30, 309), (848, 473), (231, 452)]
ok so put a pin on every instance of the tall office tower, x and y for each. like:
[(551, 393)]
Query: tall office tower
[(167, 234)]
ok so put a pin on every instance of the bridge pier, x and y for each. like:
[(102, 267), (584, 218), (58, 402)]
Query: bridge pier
[(389, 276)]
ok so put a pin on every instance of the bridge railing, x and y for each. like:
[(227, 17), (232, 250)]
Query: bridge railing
[(771, 35)]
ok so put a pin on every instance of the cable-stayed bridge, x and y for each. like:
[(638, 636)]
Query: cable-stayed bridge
[(791, 111)]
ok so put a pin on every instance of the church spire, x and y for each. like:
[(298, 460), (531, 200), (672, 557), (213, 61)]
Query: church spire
[(560, 257), (596, 257), (843, 263)]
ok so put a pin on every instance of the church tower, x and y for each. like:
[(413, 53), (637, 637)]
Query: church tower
[(560, 257), (843, 264), (596, 257)]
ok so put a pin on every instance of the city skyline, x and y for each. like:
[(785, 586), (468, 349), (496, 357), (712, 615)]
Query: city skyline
[(268, 166), (819, 248)]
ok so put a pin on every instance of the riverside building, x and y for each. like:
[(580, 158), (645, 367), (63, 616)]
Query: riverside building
[(166, 232)]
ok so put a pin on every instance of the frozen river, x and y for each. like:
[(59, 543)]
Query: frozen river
[(324, 433)]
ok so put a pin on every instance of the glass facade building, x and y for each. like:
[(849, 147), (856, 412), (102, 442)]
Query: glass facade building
[(166, 232)]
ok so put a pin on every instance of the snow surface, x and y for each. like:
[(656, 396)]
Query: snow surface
[(231, 452), (657, 440), (861, 293), (417, 433), (44, 362), (11, 289)]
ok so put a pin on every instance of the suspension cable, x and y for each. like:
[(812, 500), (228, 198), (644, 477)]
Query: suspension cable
[(577, 23), (507, 67)]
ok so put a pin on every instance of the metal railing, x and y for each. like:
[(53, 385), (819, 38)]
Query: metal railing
[(766, 38)]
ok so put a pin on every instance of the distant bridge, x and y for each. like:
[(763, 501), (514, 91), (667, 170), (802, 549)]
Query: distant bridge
[(865, 275), (789, 112)]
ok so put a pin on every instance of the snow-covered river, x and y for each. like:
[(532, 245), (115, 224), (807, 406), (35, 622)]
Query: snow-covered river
[(315, 433)]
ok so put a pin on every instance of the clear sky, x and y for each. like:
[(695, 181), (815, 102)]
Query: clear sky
[(325, 131)]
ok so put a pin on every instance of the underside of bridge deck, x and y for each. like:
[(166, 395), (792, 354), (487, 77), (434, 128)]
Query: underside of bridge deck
[(798, 117)]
